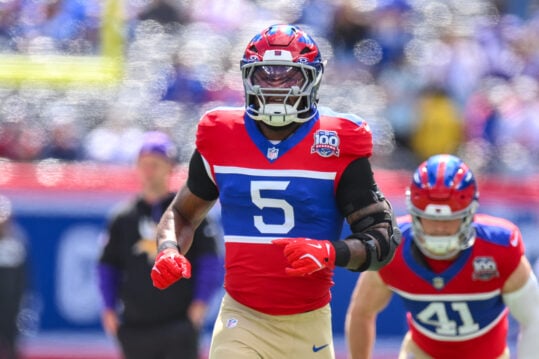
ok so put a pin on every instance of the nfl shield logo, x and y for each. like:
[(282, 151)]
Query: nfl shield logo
[(231, 323), (273, 153)]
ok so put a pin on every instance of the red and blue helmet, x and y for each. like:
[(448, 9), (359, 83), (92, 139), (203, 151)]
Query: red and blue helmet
[(443, 188), (281, 69)]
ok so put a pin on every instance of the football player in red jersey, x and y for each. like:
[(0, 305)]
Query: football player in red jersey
[(286, 174), (457, 272)]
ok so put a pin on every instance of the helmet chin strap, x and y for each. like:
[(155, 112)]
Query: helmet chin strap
[(430, 242), (279, 114), (436, 247)]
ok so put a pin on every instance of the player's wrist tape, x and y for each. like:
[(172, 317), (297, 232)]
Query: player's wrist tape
[(342, 253), (371, 253), (168, 244)]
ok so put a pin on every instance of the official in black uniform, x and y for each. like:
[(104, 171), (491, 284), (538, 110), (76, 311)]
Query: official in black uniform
[(149, 323)]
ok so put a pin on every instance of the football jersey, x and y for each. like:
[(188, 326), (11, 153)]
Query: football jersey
[(458, 312), (270, 190)]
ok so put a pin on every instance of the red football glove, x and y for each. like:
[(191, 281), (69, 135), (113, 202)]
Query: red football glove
[(307, 256), (169, 267)]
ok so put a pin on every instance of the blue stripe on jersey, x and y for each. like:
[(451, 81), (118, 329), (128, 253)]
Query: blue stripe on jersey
[(444, 318), (495, 234), (278, 203)]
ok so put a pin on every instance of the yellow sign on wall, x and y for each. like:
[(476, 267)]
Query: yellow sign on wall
[(58, 70)]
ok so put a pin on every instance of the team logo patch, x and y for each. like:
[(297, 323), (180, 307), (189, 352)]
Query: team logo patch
[(231, 323), (272, 153), (326, 143), (484, 268)]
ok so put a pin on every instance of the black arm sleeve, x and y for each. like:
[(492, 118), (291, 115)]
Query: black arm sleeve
[(198, 180), (357, 188)]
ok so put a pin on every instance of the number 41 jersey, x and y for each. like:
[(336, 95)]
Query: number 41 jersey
[(458, 312), (270, 190)]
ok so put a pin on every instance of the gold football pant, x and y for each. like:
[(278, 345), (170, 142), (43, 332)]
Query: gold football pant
[(243, 333), (410, 350)]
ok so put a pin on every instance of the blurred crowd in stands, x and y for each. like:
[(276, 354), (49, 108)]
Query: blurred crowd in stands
[(430, 76)]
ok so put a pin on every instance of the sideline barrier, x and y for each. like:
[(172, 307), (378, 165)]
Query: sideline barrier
[(64, 207)]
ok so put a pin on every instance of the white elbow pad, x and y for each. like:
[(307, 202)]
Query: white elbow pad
[(524, 307)]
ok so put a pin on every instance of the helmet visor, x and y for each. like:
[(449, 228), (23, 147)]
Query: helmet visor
[(278, 76)]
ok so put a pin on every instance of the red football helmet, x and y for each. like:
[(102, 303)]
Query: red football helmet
[(281, 70), (443, 188)]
